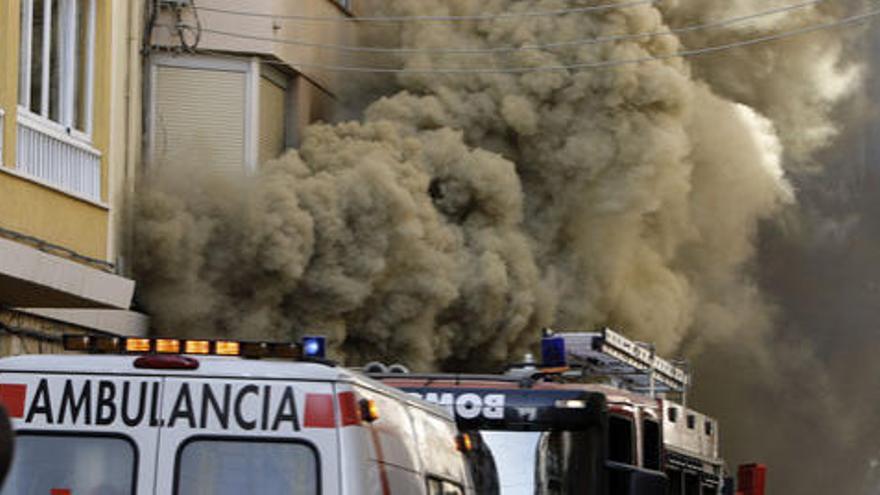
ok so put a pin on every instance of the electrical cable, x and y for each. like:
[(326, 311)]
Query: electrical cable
[(441, 18), (573, 67), (546, 46), (181, 27)]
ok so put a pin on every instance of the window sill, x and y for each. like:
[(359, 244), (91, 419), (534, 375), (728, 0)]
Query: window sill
[(53, 187)]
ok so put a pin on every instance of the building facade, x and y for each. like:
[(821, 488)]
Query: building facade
[(93, 93), (69, 137), (233, 83)]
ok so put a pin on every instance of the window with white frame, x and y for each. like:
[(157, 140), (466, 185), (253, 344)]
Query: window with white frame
[(57, 63)]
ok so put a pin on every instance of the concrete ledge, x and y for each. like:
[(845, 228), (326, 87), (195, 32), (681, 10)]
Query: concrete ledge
[(34, 279), (116, 321)]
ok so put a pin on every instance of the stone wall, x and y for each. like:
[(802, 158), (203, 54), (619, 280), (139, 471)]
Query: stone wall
[(22, 333)]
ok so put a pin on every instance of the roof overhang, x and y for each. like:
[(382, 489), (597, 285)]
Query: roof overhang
[(34, 279)]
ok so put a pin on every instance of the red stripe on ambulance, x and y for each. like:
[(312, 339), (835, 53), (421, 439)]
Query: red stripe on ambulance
[(12, 397), (319, 411), (348, 409)]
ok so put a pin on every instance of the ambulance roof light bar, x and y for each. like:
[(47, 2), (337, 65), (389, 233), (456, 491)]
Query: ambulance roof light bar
[(311, 347), (609, 353)]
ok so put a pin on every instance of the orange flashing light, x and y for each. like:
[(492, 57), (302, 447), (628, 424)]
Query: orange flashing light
[(464, 443), (168, 346), (197, 347), (76, 342), (369, 410), (137, 345), (227, 348), (285, 351), (106, 344)]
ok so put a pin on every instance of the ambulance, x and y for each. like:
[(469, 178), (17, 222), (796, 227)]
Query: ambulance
[(139, 416)]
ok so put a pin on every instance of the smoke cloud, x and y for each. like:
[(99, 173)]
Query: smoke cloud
[(464, 212)]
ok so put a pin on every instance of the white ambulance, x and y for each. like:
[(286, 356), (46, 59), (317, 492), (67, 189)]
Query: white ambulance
[(198, 417)]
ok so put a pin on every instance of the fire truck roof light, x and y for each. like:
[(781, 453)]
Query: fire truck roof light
[(553, 351), (314, 347)]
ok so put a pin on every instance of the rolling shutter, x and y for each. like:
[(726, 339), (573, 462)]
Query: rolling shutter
[(200, 117)]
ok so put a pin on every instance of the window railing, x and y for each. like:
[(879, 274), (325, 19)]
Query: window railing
[(58, 160)]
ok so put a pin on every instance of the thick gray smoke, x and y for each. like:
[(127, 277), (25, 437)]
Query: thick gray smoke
[(465, 212)]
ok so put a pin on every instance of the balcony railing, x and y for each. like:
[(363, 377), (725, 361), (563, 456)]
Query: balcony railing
[(58, 160)]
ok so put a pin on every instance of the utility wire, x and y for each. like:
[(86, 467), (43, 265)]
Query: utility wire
[(532, 47), (583, 66), (435, 18)]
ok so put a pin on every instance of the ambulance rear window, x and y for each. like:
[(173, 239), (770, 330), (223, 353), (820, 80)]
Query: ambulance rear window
[(211, 466), (72, 463)]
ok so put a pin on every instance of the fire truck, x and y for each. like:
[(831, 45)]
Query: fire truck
[(139, 416), (602, 414)]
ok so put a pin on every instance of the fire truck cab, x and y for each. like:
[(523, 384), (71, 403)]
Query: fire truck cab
[(589, 420), (196, 417), (546, 437)]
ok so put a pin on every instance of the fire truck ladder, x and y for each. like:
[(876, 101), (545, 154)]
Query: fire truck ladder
[(628, 364)]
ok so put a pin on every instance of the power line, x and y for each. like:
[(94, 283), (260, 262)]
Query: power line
[(573, 67), (533, 47), (438, 18)]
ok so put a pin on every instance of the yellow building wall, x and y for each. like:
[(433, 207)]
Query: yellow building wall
[(44, 213), (38, 210), (9, 11)]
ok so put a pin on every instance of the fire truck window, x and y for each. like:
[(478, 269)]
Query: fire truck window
[(676, 485), (620, 439), (692, 421), (481, 464), (516, 455), (563, 461), (81, 464), (691, 484), (232, 467), (672, 414), (651, 445)]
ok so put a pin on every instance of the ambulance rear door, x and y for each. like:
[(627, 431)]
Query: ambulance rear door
[(229, 436), (82, 434)]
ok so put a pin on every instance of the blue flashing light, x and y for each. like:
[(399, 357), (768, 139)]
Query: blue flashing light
[(314, 347), (553, 351)]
